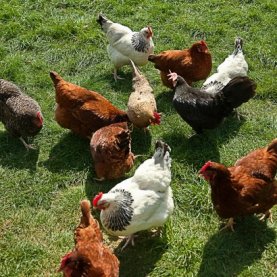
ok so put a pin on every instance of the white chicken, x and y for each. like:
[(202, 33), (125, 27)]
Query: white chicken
[(233, 66), (141, 202), (124, 44)]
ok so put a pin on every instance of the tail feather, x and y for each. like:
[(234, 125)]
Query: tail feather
[(161, 148), (56, 78), (86, 215), (272, 147), (102, 20), (136, 72), (238, 46), (239, 90)]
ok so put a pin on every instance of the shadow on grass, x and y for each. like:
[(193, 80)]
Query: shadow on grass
[(227, 254), (140, 260), (141, 141), (198, 149), (13, 154), (70, 153)]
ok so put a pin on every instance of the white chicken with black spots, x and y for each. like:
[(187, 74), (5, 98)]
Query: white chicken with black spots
[(141, 202), (233, 66), (124, 44)]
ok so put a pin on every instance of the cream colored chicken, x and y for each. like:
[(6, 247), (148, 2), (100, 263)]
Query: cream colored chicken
[(142, 107)]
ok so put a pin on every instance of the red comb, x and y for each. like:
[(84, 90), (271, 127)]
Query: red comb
[(157, 119), (97, 198), (40, 117), (64, 260), (203, 42), (205, 167)]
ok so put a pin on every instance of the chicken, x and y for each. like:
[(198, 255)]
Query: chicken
[(142, 108), (193, 64), (83, 111), (124, 44), (233, 66), (246, 188), (89, 257), (203, 110), (111, 151), (140, 202), (20, 114)]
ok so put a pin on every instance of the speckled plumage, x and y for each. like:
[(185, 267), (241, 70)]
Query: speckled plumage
[(18, 112)]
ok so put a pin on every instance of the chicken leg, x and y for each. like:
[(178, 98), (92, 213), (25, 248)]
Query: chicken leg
[(128, 240), (230, 224), (27, 146), (115, 76), (266, 215)]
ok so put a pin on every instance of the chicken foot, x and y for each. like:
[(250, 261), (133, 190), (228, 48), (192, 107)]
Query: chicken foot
[(128, 239), (230, 224), (266, 215), (115, 76), (27, 146)]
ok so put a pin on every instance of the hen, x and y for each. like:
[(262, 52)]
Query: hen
[(111, 151), (233, 66), (140, 202), (203, 110), (142, 108), (124, 44), (193, 64), (246, 188), (83, 111), (89, 257), (20, 114)]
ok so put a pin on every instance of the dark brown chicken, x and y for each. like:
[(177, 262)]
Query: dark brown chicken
[(246, 188), (89, 258), (83, 111), (111, 151), (20, 114), (193, 64)]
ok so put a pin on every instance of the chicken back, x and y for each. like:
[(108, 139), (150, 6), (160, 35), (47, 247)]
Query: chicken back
[(20, 114), (89, 257), (83, 111), (192, 64), (246, 188), (111, 151)]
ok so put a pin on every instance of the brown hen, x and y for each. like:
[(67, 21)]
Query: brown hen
[(111, 151), (193, 64), (89, 258), (81, 110), (246, 188)]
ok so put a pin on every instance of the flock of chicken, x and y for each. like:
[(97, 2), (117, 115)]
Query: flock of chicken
[(145, 200)]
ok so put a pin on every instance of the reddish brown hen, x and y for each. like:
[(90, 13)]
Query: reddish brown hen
[(111, 151), (81, 110), (90, 257), (246, 188), (193, 64)]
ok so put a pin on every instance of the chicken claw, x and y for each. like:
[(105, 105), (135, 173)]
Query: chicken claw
[(116, 77), (27, 146), (266, 215), (230, 224), (128, 240)]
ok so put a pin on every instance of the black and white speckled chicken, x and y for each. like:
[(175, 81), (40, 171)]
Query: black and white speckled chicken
[(20, 114), (124, 44), (141, 202)]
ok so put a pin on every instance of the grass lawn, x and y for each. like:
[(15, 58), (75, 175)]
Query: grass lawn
[(40, 190)]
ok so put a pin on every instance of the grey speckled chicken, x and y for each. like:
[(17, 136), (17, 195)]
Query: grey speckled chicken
[(20, 114)]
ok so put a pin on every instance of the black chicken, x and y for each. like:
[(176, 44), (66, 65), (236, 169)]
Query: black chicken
[(203, 110), (20, 114)]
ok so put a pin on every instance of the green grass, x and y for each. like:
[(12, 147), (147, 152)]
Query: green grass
[(40, 190)]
